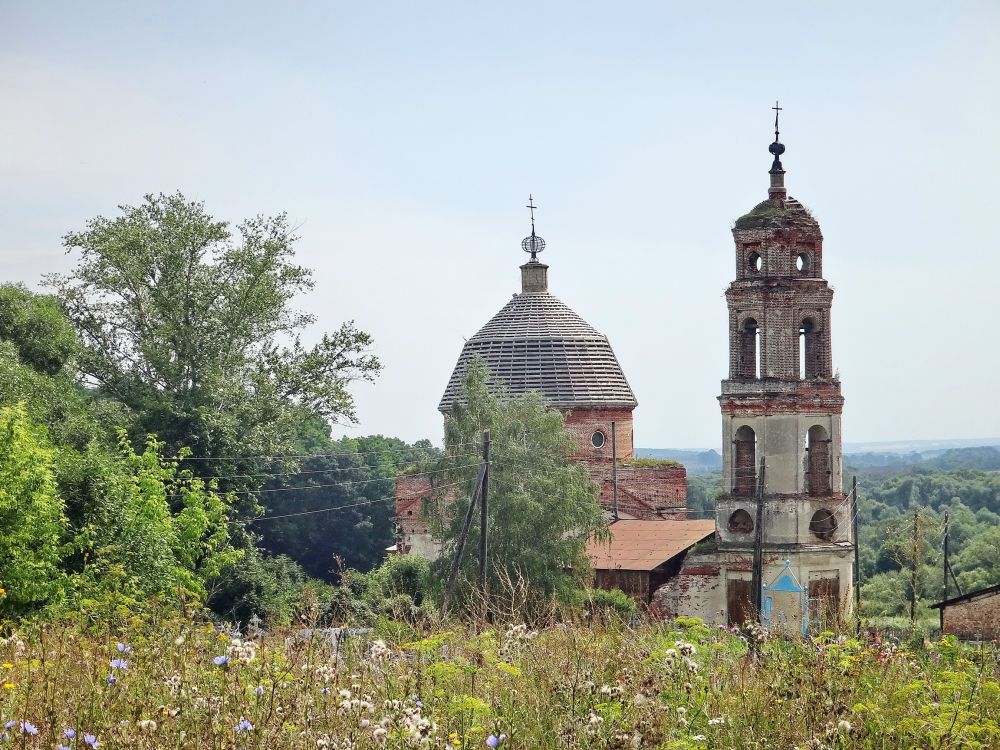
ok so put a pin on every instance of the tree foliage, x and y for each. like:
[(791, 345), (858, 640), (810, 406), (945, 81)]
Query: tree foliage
[(160, 529), (32, 525), (356, 476), (189, 323), (543, 507)]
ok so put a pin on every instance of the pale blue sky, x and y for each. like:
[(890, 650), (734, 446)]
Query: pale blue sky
[(405, 138)]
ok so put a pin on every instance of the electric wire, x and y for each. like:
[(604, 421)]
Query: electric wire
[(290, 456)]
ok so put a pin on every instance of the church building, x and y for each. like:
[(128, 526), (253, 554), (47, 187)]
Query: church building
[(537, 343), (781, 437), (781, 546)]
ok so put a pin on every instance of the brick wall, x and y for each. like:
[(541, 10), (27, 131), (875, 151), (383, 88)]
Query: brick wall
[(583, 423), (975, 619)]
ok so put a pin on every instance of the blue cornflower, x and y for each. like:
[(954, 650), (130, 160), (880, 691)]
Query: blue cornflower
[(10, 724), (69, 733), (220, 660), (259, 691), (122, 648), (28, 728), (119, 664), (325, 691), (244, 726), (493, 741), (62, 747), (91, 740), (112, 679)]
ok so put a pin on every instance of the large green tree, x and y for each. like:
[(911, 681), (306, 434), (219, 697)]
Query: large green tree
[(189, 322), (543, 507)]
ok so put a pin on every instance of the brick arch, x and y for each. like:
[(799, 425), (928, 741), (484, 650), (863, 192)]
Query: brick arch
[(812, 348), (744, 460), (749, 345), (819, 461)]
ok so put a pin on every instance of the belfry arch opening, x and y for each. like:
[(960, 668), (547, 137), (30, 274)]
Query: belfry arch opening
[(818, 463), (749, 349), (810, 351), (745, 461)]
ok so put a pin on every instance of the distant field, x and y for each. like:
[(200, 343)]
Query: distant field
[(175, 683)]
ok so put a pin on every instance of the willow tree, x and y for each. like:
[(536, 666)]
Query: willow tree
[(543, 507)]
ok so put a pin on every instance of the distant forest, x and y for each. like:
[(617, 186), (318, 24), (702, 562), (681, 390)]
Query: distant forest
[(899, 493)]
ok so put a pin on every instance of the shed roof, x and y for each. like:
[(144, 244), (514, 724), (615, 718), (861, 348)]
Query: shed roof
[(645, 545), (966, 597)]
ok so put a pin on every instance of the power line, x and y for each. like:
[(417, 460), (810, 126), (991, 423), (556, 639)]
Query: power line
[(336, 484), (278, 457)]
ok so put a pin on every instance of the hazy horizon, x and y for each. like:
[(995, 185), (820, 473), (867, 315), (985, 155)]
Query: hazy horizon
[(403, 140)]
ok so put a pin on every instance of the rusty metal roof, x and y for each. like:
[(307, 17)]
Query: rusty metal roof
[(645, 545), (537, 343)]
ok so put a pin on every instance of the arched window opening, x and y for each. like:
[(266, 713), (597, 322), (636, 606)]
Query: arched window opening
[(755, 263), (803, 264), (745, 462), (740, 522), (823, 524), (810, 353), (749, 351), (818, 470)]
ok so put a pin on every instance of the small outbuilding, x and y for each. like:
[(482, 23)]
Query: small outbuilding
[(642, 555), (974, 616)]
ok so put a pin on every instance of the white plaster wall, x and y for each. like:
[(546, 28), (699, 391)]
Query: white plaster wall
[(781, 439)]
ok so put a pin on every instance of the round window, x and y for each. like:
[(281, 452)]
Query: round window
[(598, 439)]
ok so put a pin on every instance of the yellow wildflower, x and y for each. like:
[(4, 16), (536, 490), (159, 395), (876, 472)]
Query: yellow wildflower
[(8, 686), (8, 665)]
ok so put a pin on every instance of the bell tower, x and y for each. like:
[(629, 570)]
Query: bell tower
[(781, 424)]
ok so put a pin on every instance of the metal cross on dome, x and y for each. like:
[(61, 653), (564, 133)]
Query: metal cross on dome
[(777, 111), (533, 244)]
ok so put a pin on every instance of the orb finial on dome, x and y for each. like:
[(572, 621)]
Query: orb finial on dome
[(532, 244)]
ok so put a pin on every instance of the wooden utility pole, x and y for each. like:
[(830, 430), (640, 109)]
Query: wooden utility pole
[(914, 565), (614, 474), (484, 522), (756, 577), (944, 588), (462, 539), (854, 535)]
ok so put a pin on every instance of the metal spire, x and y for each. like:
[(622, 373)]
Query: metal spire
[(777, 148), (533, 244)]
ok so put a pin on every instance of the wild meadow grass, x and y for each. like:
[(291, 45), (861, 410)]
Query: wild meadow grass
[(181, 683)]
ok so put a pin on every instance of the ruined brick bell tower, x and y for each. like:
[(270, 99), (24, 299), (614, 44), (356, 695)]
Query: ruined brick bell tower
[(782, 403)]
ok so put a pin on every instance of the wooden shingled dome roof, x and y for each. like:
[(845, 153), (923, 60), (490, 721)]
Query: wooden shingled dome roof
[(536, 343)]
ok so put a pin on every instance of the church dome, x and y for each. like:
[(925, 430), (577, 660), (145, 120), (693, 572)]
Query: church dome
[(537, 343)]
